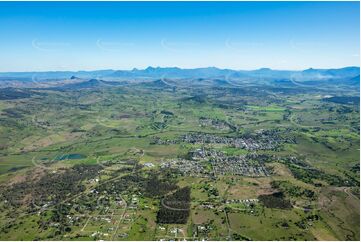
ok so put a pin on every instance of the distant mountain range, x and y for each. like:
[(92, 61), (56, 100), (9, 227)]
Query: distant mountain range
[(352, 73)]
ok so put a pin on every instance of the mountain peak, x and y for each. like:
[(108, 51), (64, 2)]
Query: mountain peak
[(264, 69), (150, 68)]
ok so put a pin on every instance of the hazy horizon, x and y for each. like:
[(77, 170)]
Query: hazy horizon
[(182, 68)]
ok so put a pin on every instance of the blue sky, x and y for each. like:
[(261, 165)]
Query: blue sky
[(122, 35)]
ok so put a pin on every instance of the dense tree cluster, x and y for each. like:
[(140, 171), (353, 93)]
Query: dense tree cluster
[(131, 182), (275, 200), (10, 93), (156, 187), (311, 174), (343, 100), (175, 207), (52, 187)]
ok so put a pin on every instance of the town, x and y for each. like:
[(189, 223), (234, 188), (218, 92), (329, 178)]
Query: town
[(259, 141)]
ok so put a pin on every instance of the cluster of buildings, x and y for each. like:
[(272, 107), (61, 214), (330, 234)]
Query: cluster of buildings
[(158, 141), (259, 140), (243, 165), (203, 153), (202, 230), (149, 164), (243, 201), (133, 202), (186, 167), (237, 142), (238, 165), (210, 162), (215, 123)]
